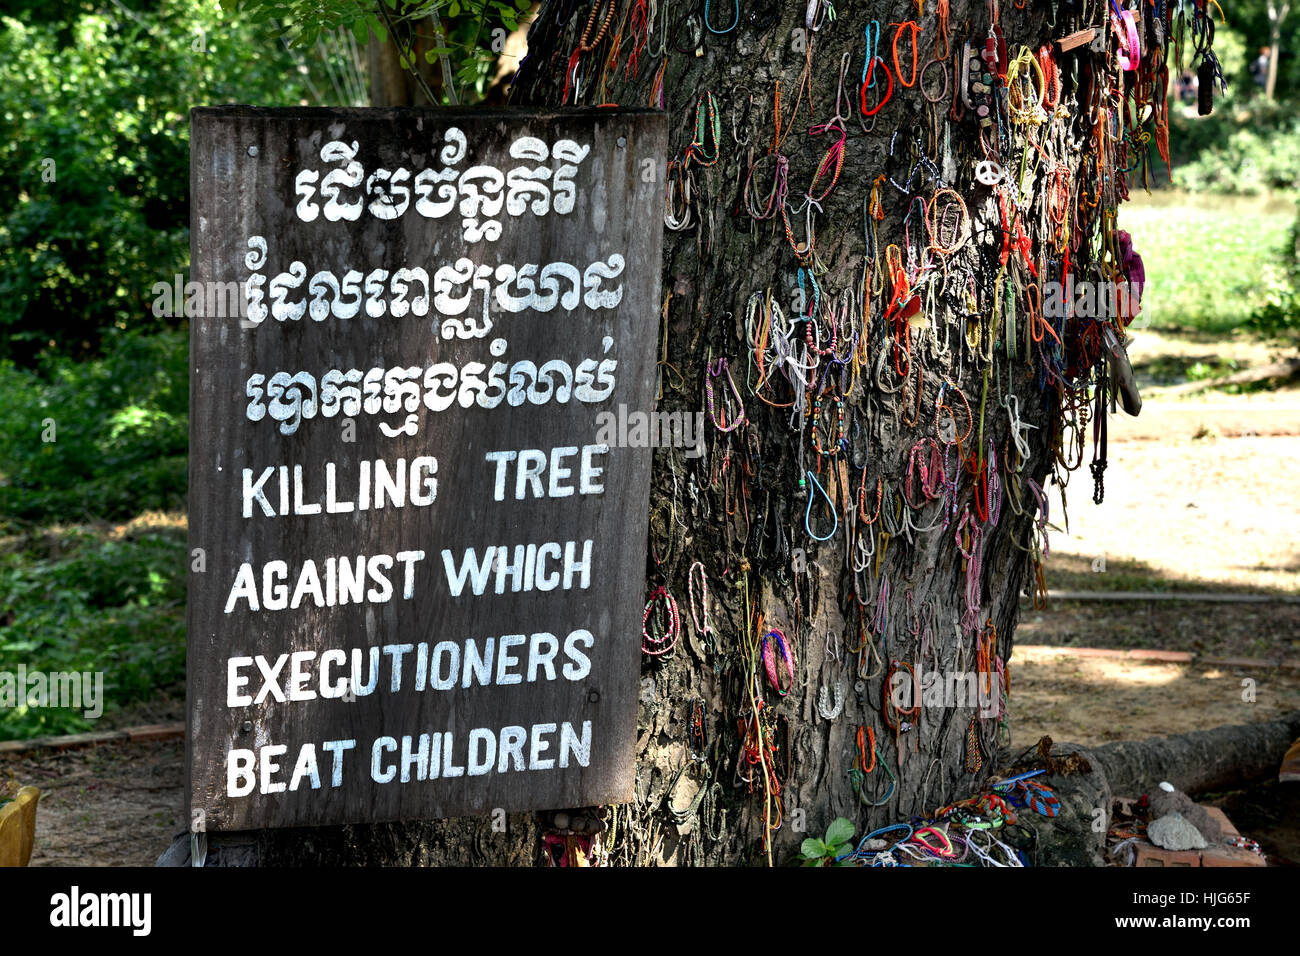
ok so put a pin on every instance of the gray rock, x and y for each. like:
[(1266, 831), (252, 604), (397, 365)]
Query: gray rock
[(1165, 802), (1174, 832)]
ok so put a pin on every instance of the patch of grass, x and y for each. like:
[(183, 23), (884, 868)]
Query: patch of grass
[(1207, 258), (91, 599), (1167, 369), (1076, 572)]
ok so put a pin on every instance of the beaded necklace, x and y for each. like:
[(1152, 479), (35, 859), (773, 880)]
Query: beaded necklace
[(587, 44), (836, 447), (701, 619), (660, 635)]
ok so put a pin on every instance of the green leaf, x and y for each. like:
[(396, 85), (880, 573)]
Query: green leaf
[(840, 831), (811, 849)]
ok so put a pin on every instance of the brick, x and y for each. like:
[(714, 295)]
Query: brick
[(1150, 855), (1222, 820), (1147, 854), (1231, 856), (1103, 652), (1245, 663), (1151, 654)]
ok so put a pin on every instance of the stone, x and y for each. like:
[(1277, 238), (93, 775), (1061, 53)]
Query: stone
[(1174, 832), (1165, 802)]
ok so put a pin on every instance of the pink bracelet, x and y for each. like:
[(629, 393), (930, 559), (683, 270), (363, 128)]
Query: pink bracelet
[(1130, 54), (769, 661)]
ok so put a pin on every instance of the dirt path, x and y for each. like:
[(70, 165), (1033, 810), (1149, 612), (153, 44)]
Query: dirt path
[(1093, 701), (1211, 514), (111, 805)]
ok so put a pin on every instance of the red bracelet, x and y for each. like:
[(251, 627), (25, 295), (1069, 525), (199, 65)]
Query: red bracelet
[(867, 82)]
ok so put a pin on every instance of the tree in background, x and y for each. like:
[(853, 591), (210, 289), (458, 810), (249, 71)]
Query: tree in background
[(414, 57), (1267, 24), (1277, 14)]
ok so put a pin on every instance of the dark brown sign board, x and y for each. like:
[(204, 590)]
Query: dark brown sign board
[(417, 573)]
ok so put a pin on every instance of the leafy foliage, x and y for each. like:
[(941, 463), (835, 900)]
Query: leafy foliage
[(84, 601), (94, 158), (1241, 148), (120, 430), (1279, 316), (827, 851), (471, 37)]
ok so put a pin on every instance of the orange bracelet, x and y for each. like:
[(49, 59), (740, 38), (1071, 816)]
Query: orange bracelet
[(916, 30), (862, 751)]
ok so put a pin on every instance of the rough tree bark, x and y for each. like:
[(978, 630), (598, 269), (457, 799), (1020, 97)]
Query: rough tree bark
[(739, 509), (712, 269)]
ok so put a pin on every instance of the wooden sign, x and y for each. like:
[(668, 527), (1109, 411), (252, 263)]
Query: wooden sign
[(417, 573)]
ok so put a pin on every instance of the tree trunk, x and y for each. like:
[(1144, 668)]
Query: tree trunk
[(1276, 17), (392, 83), (717, 784), (1224, 758), (759, 556)]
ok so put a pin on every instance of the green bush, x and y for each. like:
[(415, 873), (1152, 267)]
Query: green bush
[(85, 602), (101, 439), (1279, 316), (1242, 148), (94, 158)]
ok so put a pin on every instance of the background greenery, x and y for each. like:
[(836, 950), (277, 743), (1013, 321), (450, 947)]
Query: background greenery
[(92, 529)]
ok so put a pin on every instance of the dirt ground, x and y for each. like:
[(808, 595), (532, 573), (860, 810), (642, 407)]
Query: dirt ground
[(1210, 506), (122, 804), (111, 805), (1093, 701)]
